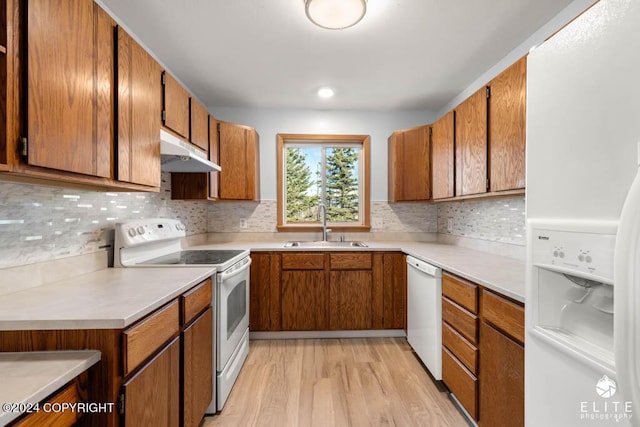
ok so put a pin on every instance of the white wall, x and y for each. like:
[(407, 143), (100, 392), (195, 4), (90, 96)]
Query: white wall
[(378, 124)]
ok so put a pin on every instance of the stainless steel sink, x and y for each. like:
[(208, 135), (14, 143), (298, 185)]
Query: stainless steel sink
[(321, 244)]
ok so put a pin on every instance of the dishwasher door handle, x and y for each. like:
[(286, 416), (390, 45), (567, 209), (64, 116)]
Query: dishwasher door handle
[(423, 267)]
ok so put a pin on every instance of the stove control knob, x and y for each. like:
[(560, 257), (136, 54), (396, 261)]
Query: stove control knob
[(140, 230), (132, 232)]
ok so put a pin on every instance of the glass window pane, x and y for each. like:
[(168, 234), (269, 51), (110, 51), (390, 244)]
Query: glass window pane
[(303, 183), (322, 172), (342, 184)]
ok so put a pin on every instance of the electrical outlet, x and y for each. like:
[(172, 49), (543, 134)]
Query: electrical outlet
[(450, 225), (378, 223), (243, 223)]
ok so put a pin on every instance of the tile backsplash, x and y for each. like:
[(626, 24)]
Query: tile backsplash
[(497, 220), (39, 223), (224, 217)]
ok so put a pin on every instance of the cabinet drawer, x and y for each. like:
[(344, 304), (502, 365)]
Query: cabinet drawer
[(143, 339), (504, 314), (466, 352), (461, 382), (303, 261), (195, 301), (351, 261), (69, 394), (463, 292), (464, 322)]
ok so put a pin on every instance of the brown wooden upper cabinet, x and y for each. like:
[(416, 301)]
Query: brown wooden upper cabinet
[(442, 157), (175, 113), (239, 156), (236, 149), (507, 114), (408, 170), (69, 87), (214, 154), (139, 105), (199, 125), (471, 144), (64, 90)]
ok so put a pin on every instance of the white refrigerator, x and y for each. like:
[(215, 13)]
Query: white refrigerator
[(582, 349)]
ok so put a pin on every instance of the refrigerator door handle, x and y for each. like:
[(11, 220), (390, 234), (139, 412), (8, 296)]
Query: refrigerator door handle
[(627, 298)]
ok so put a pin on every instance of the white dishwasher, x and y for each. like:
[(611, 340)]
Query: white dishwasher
[(424, 313)]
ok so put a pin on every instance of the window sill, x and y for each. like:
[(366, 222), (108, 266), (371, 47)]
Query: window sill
[(317, 228)]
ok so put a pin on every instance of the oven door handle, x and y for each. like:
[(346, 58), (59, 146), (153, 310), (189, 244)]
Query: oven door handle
[(225, 276)]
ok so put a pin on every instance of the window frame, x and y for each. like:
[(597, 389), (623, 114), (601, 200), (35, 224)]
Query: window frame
[(364, 141)]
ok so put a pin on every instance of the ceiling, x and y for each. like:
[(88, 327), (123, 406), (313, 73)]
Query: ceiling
[(404, 54)]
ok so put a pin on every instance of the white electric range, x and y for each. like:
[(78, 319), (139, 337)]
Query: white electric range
[(157, 243)]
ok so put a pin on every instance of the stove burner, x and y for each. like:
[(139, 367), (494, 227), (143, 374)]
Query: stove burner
[(204, 257)]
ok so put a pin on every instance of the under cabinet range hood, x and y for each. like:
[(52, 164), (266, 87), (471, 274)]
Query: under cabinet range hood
[(180, 156)]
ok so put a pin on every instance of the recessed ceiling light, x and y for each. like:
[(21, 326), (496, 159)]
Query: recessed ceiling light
[(325, 92), (335, 14)]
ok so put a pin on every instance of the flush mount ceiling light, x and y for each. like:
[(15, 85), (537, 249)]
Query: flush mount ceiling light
[(325, 92), (335, 14)]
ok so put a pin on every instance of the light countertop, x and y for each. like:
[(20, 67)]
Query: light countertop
[(111, 298), (501, 274), (28, 378)]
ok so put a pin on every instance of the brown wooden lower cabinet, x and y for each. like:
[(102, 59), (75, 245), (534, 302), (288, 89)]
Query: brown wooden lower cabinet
[(304, 295), (483, 352), (140, 367), (501, 379), (264, 298), (73, 392), (317, 291), (197, 368), (462, 383), (393, 270), (351, 300), (152, 395)]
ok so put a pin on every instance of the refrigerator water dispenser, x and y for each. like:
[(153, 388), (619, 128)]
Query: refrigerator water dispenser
[(572, 288)]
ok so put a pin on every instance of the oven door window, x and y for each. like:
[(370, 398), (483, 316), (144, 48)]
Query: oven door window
[(236, 307)]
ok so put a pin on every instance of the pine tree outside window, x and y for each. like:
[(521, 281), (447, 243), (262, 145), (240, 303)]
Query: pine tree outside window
[(327, 169)]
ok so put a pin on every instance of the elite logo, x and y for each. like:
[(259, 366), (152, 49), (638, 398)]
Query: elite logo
[(606, 387)]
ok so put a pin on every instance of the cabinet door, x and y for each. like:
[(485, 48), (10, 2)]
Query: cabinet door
[(501, 379), (214, 156), (239, 159), (351, 300), (507, 112), (409, 165), (442, 157), (199, 125), (304, 300), (264, 301), (197, 374), (152, 396), (176, 106), (69, 86), (394, 291), (471, 145), (139, 110), (70, 395)]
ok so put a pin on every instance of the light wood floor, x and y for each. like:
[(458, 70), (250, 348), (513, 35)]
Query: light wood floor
[(335, 382)]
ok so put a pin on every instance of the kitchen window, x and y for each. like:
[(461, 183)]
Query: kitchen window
[(332, 170)]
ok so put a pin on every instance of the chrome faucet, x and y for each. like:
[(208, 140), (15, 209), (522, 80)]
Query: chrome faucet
[(323, 217)]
